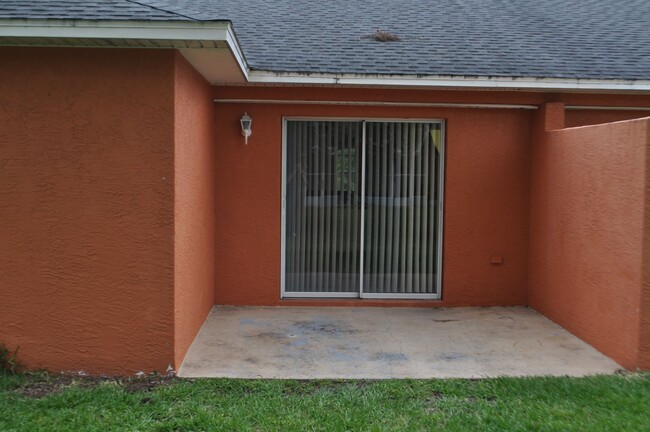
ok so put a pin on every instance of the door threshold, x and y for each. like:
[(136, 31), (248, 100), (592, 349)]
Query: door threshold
[(355, 296)]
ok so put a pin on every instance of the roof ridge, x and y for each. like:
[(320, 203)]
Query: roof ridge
[(162, 10)]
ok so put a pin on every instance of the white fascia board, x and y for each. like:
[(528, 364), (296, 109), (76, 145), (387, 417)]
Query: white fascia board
[(112, 29), (264, 77), (154, 30), (235, 48)]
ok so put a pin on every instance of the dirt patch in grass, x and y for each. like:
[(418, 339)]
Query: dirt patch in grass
[(431, 402), (44, 385), (311, 387), (145, 384)]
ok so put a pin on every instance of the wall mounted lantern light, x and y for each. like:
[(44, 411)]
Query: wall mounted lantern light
[(246, 122)]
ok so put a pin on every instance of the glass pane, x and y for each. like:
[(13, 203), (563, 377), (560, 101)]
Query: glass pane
[(401, 207), (323, 207)]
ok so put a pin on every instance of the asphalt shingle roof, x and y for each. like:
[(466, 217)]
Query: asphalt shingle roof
[(83, 9), (591, 39)]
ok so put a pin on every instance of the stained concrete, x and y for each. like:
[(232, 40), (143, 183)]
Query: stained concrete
[(376, 343)]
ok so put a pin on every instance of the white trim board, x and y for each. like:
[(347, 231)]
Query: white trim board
[(376, 103), (179, 34), (263, 77), (110, 29)]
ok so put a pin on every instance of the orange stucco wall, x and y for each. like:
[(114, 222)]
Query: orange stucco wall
[(130, 204), (644, 310), (87, 183), (576, 118), (194, 206), (486, 189), (486, 201), (588, 222)]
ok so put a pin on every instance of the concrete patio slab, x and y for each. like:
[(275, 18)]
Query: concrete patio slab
[(377, 343)]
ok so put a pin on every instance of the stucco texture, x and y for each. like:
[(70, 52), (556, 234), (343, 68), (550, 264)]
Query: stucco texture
[(486, 187), (194, 205), (86, 179), (644, 310), (486, 199), (588, 225), (131, 205), (576, 118)]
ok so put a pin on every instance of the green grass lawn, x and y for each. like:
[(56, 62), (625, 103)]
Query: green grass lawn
[(50, 403)]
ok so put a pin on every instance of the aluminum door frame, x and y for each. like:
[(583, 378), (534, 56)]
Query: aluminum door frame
[(441, 192)]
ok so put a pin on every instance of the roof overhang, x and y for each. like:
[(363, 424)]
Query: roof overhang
[(449, 82), (210, 46)]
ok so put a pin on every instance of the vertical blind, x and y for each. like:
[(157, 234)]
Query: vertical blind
[(328, 250), (400, 213), (323, 206)]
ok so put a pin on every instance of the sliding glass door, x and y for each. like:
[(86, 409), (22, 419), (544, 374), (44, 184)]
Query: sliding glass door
[(362, 208), (322, 208)]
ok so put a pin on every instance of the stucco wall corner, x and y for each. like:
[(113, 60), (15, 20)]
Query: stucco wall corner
[(554, 115), (194, 205), (644, 319), (86, 211)]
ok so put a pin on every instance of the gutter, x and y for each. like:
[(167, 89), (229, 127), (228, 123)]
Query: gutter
[(264, 77)]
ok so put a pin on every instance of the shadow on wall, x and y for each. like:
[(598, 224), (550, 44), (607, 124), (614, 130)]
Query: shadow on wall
[(590, 233)]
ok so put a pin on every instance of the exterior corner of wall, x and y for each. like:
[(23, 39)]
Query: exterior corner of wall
[(537, 179), (554, 116), (194, 205), (91, 264), (643, 361), (644, 309)]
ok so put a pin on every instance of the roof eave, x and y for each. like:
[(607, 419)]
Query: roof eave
[(449, 81), (188, 34), (163, 34)]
